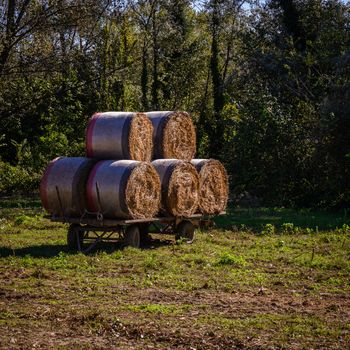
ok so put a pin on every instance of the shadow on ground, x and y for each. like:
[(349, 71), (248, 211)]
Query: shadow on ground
[(37, 251), (257, 218), (49, 251)]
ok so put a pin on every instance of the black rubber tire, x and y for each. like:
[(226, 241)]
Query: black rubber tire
[(132, 236), (73, 234), (145, 238), (185, 231)]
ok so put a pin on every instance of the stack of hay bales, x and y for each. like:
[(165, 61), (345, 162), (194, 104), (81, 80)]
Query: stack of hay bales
[(118, 179), (115, 179), (188, 185)]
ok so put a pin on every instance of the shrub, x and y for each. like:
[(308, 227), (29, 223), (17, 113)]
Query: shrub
[(230, 259), (288, 227), (16, 179), (268, 229)]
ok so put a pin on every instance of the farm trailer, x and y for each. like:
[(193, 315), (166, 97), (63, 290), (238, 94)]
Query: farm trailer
[(86, 232)]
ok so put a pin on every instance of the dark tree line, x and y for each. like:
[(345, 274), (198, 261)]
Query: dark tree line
[(267, 83)]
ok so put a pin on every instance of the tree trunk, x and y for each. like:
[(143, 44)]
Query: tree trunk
[(155, 83), (217, 129), (10, 29), (144, 78)]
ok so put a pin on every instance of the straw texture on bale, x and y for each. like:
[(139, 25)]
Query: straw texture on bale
[(62, 187), (174, 135), (124, 189), (180, 185), (213, 185), (119, 135)]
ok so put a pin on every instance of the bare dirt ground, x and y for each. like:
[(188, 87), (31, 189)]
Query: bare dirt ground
[(82, 324)]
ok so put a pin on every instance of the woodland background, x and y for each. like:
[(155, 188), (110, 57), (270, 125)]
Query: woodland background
[(267, 83)]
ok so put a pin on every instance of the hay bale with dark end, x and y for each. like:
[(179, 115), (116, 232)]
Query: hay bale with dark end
[(180, 186), (174, 135), (119, 135), (213, 185), (62, 187), (124, 189)]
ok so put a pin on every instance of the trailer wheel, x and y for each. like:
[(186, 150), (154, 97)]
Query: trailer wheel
[(185, 231), (132, 236), (144, 233), (74, 236)]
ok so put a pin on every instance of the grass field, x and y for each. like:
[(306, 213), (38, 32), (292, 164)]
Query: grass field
[(262, 279)]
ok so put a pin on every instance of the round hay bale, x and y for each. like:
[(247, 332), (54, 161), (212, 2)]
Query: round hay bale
[(180, 185), (62, 187), (213, 185), (174, 135), (124, 189), (119, 135)]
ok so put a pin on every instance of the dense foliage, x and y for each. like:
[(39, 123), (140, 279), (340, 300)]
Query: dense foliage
[(267, 82)]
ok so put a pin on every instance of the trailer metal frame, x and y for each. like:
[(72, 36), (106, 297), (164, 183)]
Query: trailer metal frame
[(90, 229)]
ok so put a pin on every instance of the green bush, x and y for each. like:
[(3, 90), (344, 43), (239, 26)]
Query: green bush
[(268, 229), (16, 179), (230, 259), (287, 227)]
